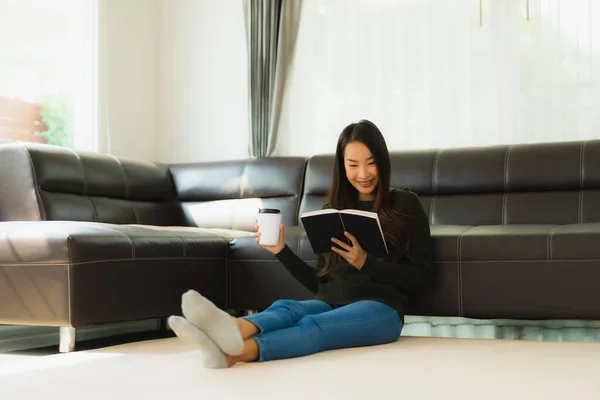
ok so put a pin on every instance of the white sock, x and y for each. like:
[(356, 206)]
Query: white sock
[(212, 356), (216, 323)]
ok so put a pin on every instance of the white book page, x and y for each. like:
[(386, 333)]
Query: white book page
[(360, 212), (319, 212)]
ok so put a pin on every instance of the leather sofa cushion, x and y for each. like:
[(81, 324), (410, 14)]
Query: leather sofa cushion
[(445, 242), (252, 267), (530, 271), (506, 243), (578, 242), (494, 185), (73, 242), (499, 271), (245, 247), (57, 183), (228, 194), (72, 273), (535, 243)]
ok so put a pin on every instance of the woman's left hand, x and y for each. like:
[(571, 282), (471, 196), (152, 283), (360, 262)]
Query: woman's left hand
[(355, 255)]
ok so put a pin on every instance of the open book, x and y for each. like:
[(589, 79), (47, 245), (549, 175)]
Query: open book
[(322, 225)]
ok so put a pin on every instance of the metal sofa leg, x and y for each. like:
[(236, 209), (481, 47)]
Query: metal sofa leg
[(68, 336)]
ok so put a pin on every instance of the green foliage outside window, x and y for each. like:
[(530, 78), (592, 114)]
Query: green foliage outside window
[(57, 114)]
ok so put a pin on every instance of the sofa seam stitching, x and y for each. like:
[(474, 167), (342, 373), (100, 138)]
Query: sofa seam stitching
[(459, 263), (581, 183), (94, 210), (458, 270), (505, 194), (69, 268), (132, 242), (432, 208), (125, 178), (69, 263), (85, 185), (34, 264), (434, 172), (549, 243), (228, 274), (37, 186)]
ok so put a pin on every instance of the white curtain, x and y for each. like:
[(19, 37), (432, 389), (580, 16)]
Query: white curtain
[(444, 73)]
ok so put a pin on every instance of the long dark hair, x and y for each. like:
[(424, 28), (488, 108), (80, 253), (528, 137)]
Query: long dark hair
[(343, 195)]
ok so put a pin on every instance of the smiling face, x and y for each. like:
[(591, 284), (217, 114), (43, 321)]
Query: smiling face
[(361, 169)]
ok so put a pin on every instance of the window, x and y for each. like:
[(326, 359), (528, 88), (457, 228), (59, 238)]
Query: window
[(47, 72), (441, 74), (47, 86)]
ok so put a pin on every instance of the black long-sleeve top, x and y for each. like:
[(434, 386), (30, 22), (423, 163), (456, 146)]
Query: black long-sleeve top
[(387, 280)]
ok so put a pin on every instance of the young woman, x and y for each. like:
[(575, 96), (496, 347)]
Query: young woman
[(360, 300)]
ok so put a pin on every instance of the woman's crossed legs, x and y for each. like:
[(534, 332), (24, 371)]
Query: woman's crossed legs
[(286, 329)]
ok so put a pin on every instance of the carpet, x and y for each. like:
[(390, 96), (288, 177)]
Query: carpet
[(412, 368)]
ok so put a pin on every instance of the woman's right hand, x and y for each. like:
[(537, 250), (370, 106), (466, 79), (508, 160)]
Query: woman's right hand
[(273, 249)]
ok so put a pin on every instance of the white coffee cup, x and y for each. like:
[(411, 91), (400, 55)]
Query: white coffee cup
[(268, 221)]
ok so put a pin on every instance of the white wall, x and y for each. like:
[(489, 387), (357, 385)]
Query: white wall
[(127, 78), (202, 80), (173, 80)]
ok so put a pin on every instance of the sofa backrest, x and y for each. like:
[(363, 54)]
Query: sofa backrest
[(544, 183), (41, 182), (228, 194)]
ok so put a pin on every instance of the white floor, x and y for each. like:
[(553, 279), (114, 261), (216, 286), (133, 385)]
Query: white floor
[(412, 368)]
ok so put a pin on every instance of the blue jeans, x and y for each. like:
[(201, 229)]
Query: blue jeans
[(289, 328)]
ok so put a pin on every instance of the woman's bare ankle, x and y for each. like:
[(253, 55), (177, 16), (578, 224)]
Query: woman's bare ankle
[(247, 328), (249, 354), (231, 360)]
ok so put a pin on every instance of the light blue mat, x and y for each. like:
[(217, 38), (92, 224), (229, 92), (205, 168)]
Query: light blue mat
[(543, 331)]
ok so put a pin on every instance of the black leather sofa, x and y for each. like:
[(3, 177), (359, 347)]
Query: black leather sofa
[(89, 238)]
